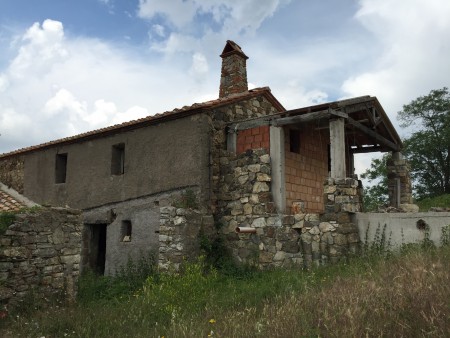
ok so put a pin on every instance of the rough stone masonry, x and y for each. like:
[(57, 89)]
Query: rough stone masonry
[(40, 253)]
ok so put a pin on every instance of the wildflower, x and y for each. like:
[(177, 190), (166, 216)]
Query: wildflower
[(212, 321), (211, 333)]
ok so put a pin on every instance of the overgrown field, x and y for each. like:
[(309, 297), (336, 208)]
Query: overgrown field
[(381, 294)]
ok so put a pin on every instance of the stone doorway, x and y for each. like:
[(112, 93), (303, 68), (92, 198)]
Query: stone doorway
[(94, 247)]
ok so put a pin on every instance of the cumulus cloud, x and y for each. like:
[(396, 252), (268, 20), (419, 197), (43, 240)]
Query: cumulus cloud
[(233, 18), (55, 86), (42, 47), (414, 44)]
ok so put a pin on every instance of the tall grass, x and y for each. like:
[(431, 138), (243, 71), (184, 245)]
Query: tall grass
[(404, 294)]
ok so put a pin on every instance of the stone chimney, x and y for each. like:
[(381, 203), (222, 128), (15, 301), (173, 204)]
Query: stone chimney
[(233, 78)]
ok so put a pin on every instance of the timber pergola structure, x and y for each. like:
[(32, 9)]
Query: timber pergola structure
[(357, 125)]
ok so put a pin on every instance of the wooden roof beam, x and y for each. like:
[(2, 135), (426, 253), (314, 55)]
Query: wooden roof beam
[(378, 138)]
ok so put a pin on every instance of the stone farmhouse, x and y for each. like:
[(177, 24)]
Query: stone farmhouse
[(278, 184)]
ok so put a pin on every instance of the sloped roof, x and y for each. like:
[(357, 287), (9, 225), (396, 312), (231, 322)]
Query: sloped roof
[(195, 108), (9, 203), (232, 47), (11, 200)]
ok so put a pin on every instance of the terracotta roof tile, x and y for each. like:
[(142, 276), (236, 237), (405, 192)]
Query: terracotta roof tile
[(9, 203), (173, 114)]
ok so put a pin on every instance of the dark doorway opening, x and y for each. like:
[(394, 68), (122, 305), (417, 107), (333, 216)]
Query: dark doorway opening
[(95, 247)]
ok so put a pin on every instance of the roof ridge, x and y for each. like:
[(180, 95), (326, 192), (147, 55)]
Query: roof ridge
[(174, 113)]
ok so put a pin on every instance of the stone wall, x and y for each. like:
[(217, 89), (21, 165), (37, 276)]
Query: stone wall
[(11, 173), (40, 252), (280, 240), (220, 118), (179, 235)]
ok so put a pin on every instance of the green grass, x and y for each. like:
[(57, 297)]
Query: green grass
[(442, 201), (407, 294)]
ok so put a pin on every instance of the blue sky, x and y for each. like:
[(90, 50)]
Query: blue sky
[(68, 66)]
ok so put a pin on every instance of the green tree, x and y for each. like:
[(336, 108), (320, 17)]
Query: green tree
[(376, 194), (428, 147)]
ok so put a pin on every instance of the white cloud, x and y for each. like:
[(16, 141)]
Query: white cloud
[(159, 30), (234, 17), (42, 47), (199, 68), (414, 50), (55, 86)]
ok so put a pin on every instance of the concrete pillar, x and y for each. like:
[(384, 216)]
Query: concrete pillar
[(337, 148), (277, 164)]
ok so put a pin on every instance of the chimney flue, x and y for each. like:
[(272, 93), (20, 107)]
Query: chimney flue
[(233, 77)]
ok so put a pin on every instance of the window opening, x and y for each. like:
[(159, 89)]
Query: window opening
[(294, 141), (61, 168), (118, 159), (126, 230)]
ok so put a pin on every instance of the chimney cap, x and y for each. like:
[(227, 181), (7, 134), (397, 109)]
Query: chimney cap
[(232, 47)]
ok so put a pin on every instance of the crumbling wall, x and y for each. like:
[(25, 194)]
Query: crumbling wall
[(399, 181), (40, 253)]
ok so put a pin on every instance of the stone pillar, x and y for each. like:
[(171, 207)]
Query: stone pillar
[(337, 148), (399, 181), (278, 167)]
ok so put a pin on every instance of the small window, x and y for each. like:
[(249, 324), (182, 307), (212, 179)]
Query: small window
[(60, 168), (294, 141), (125, 231), (118, 159)]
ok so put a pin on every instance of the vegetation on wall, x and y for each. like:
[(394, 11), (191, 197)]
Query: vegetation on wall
[(6, 219)]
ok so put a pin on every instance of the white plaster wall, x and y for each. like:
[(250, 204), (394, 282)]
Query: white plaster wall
[(401, 222)]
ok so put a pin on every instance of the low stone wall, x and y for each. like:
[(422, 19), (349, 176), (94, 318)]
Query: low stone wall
[(40, 253)]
